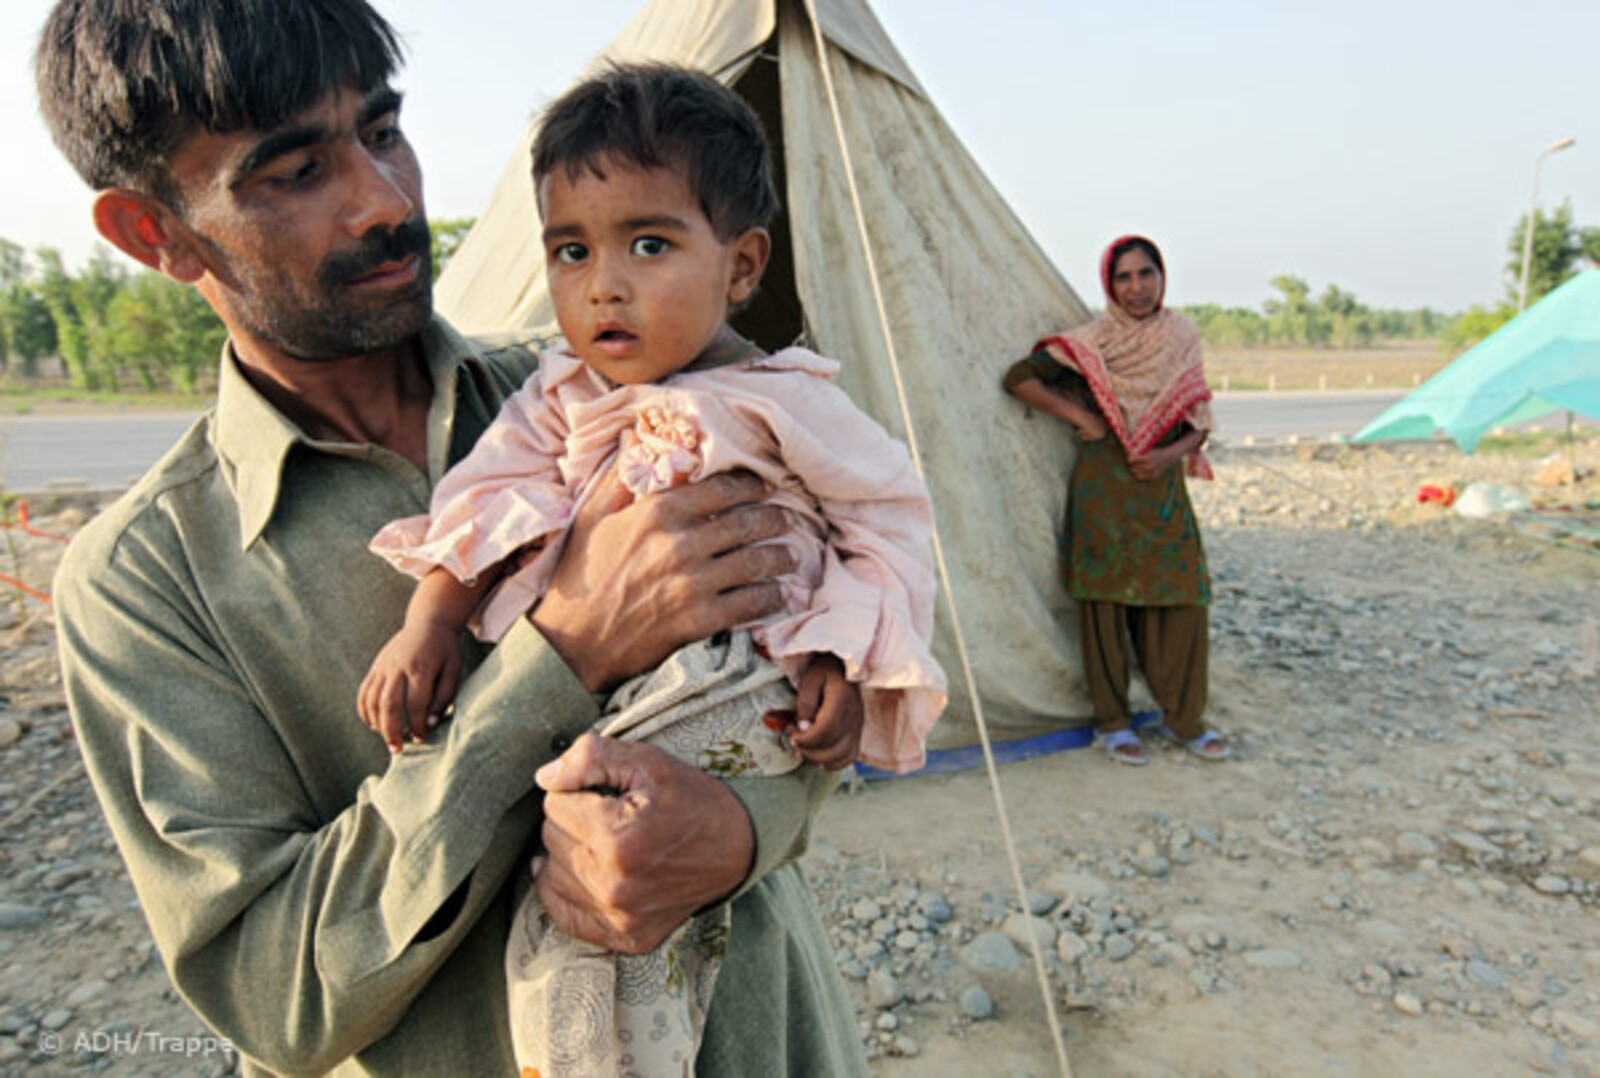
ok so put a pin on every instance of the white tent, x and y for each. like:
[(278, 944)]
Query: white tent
[(965, 288)]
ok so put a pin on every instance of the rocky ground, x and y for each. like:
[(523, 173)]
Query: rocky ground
[(1398, 873)]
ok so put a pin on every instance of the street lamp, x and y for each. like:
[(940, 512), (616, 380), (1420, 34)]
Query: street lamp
[(1533, 209)]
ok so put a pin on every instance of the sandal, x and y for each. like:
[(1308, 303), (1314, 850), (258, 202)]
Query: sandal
[(1124, 747), (1210, 746)]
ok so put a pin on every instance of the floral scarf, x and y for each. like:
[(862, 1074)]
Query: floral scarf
[(1146, 374)]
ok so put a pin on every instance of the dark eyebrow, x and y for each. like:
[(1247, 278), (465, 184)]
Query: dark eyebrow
[(661, 221), (379, 102), (275, 145), (287, 140)]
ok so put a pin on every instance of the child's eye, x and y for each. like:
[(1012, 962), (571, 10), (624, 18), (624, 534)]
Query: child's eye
[(571, 253), (649, 246)]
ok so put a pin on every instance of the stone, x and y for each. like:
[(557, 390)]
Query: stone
[(976, 1004), (1552, 885), (1070, 947), (1119, 947), (1585, 1029), (1485, 974), (13, 916), (1383, 932), (1274, 958), (85, 992), (1416, 844), (865, 912), (1020, 927), (934, 906), (1152, 865), (882, 988), (1474, 844), (10, 733), (1407, 1004), (991, 951), (1076, 885)]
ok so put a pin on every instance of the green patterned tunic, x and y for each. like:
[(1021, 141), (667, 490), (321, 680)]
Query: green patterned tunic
[(1123, 540)]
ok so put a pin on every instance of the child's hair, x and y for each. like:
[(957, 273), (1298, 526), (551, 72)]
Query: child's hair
[(664, 116), (123, 83)]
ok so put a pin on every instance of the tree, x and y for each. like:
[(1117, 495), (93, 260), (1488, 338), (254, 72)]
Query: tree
[(1556, 248), (446, 236), (26, 330), (55, 288), (163, 332), (1464, 332)]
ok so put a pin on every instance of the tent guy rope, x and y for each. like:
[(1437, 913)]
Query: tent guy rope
[(1035, 947)]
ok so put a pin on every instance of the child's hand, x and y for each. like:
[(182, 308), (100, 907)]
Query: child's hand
[(411, 682), (828, 715)]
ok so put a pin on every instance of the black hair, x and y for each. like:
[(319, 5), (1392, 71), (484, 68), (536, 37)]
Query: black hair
[(665, 116), (124, 83), (1135, 243)]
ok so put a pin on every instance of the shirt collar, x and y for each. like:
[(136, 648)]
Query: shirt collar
[(253, 439)]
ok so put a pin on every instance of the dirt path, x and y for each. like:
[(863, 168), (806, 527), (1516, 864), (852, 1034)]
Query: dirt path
[(1398, 874)]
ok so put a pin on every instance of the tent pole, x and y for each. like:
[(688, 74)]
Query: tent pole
[(1036, 947)]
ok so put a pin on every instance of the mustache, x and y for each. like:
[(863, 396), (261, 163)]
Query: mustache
[(409, 237)]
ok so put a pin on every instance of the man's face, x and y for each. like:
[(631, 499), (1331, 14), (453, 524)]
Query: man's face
[(313, 236)]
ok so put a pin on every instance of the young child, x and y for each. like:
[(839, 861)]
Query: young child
[(655, 187)]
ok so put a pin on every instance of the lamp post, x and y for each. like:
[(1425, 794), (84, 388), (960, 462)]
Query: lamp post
[(1533, 209)]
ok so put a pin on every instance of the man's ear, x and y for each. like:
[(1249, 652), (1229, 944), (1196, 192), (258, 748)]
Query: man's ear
[(145, 230), (751, 249)]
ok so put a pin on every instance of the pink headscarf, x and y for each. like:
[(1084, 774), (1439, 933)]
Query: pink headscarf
[(1146, 374)]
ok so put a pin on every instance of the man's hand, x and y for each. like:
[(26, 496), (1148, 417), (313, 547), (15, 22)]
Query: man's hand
[(636, 582), (828, 715), (622, 872)]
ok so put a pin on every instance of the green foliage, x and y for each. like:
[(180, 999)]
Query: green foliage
[(27, 332), (158, 329), (1464, 332), (1557, 246), (112, 329), (447, 236)]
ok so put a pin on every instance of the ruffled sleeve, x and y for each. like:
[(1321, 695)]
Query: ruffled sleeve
[(874, 605), (504, 497)]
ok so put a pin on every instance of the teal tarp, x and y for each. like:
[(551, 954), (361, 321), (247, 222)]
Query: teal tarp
[(1544, 360)]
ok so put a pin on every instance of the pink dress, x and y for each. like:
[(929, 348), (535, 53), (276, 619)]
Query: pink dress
[(864, 590)]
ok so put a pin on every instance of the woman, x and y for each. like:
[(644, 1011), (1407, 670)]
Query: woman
[(1131, 555)]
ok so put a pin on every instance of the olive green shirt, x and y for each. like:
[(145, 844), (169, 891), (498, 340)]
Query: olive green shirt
[(323, 906)]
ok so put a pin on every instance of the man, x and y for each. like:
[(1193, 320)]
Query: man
[(326, 908)]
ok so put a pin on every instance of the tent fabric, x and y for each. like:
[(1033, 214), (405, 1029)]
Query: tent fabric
[(1544, 360), (967, 290)]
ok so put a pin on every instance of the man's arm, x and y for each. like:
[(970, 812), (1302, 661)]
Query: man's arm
[(301, 938)]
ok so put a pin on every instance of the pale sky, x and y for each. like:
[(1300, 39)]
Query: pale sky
[(1386, 146)]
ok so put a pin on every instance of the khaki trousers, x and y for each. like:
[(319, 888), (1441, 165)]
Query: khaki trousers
[(1172, 646)]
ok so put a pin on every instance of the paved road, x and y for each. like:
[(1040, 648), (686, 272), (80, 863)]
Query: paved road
[(99, 451), (1308, 416), (47, 452)]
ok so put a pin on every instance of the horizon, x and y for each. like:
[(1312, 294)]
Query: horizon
[(1218, 131)]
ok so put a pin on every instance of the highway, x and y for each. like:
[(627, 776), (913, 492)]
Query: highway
[(108, 451)]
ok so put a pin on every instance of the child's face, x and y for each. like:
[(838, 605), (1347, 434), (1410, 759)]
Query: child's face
[(641, 283)]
